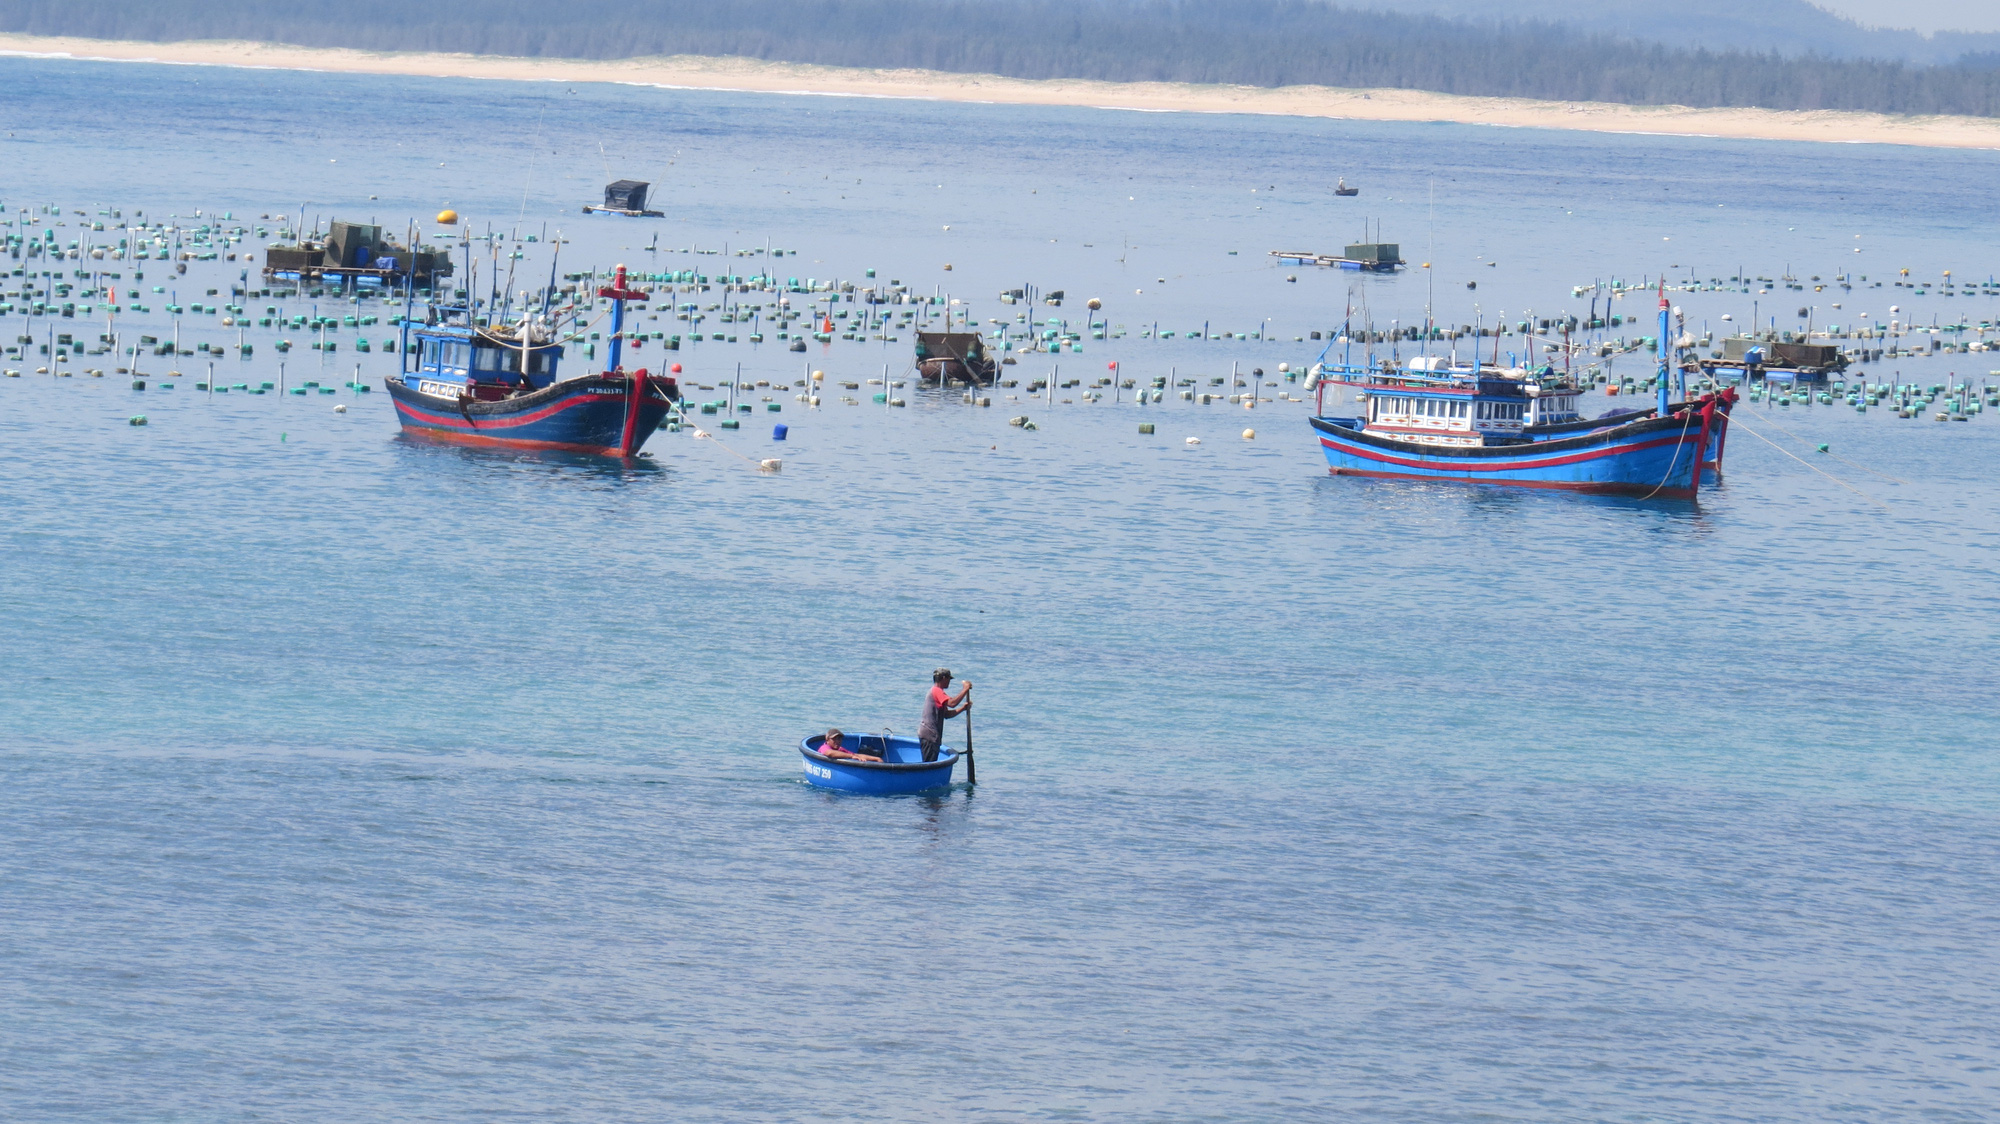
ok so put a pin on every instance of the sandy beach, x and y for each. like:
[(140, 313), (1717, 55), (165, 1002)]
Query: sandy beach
[(702, 73)]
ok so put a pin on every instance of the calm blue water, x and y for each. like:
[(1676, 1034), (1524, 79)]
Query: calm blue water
[(355, 779)]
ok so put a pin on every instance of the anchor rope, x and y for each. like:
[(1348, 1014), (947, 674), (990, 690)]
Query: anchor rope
[(699, 434), (1834, 455), (1816, 468), (1675, 463)]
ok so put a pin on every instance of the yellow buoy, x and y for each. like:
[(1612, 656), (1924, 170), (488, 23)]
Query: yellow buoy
[(447, 217), (1249, 435)]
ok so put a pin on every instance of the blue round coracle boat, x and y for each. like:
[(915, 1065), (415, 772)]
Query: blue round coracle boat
[(901, 770)]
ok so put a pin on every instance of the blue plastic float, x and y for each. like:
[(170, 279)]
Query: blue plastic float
[(902, 768)]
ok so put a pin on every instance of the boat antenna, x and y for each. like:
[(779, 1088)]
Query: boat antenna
[(493, 280), (1430, 271), (465, 241), (509, 290), (549, 294), (1346, 331), (409, 297), (528, 173)]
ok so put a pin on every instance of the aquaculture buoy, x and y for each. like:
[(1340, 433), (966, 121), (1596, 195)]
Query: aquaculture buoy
[(1249, 435), (819, 376), (778, 432), (771, 465), (340, 409), (1093, 304), (1145, 427), (447, 217), (136, 419), (1194, 440)]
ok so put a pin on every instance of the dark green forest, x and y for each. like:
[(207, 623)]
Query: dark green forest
[(1243, 42)]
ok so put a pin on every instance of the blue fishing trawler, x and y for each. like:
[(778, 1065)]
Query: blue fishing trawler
[(497, 385), (1434, 419)]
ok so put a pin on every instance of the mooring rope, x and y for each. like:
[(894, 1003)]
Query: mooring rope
[(771, 465), (1816, 468), (1836, 456), (1675, 463)]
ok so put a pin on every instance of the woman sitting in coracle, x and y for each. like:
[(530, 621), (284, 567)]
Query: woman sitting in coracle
[(832, 749)]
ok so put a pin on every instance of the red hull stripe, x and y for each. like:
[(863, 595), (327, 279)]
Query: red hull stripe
[(1503, 466), (462, 437), (1557, 485), (457, 421)]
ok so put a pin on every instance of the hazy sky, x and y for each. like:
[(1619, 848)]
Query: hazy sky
[(1923, 15)]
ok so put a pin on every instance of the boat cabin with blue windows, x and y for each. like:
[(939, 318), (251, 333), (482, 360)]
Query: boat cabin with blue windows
[(1552, 405), (1432, 401), (485, 363)]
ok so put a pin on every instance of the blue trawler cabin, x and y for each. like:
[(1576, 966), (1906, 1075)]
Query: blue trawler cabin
[(489, 362)]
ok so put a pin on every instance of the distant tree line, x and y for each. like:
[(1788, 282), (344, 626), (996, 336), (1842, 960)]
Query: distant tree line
[(1238, 42)]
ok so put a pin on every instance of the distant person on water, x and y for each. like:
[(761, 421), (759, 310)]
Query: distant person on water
[(938, 706), (833, 749)]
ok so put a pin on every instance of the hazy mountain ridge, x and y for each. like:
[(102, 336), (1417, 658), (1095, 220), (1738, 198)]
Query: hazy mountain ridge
[(1787, 27), (1239, 42)]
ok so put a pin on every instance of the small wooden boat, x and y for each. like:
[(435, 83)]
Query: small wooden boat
[(902, 769), (1341, 188), (944, 356), (628, 198)]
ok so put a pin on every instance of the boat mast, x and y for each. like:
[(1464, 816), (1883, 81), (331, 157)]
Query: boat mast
[(1666, 316), (409, 296), (618, 294)]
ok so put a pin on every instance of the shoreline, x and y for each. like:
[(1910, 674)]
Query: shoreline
[(755, 76)]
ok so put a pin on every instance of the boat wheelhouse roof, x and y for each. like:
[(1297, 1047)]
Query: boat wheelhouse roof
[(1486, 384), (501, 336)]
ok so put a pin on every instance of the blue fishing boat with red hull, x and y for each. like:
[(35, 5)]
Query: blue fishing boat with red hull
[(498, 386), (1436, 420)]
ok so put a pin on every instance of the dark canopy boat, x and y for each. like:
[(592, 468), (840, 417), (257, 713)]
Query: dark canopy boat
[(944, 356)]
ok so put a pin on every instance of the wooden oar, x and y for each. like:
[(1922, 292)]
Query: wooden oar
[(971, 767)]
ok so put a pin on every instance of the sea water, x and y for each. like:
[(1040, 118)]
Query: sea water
[(353, 778)]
